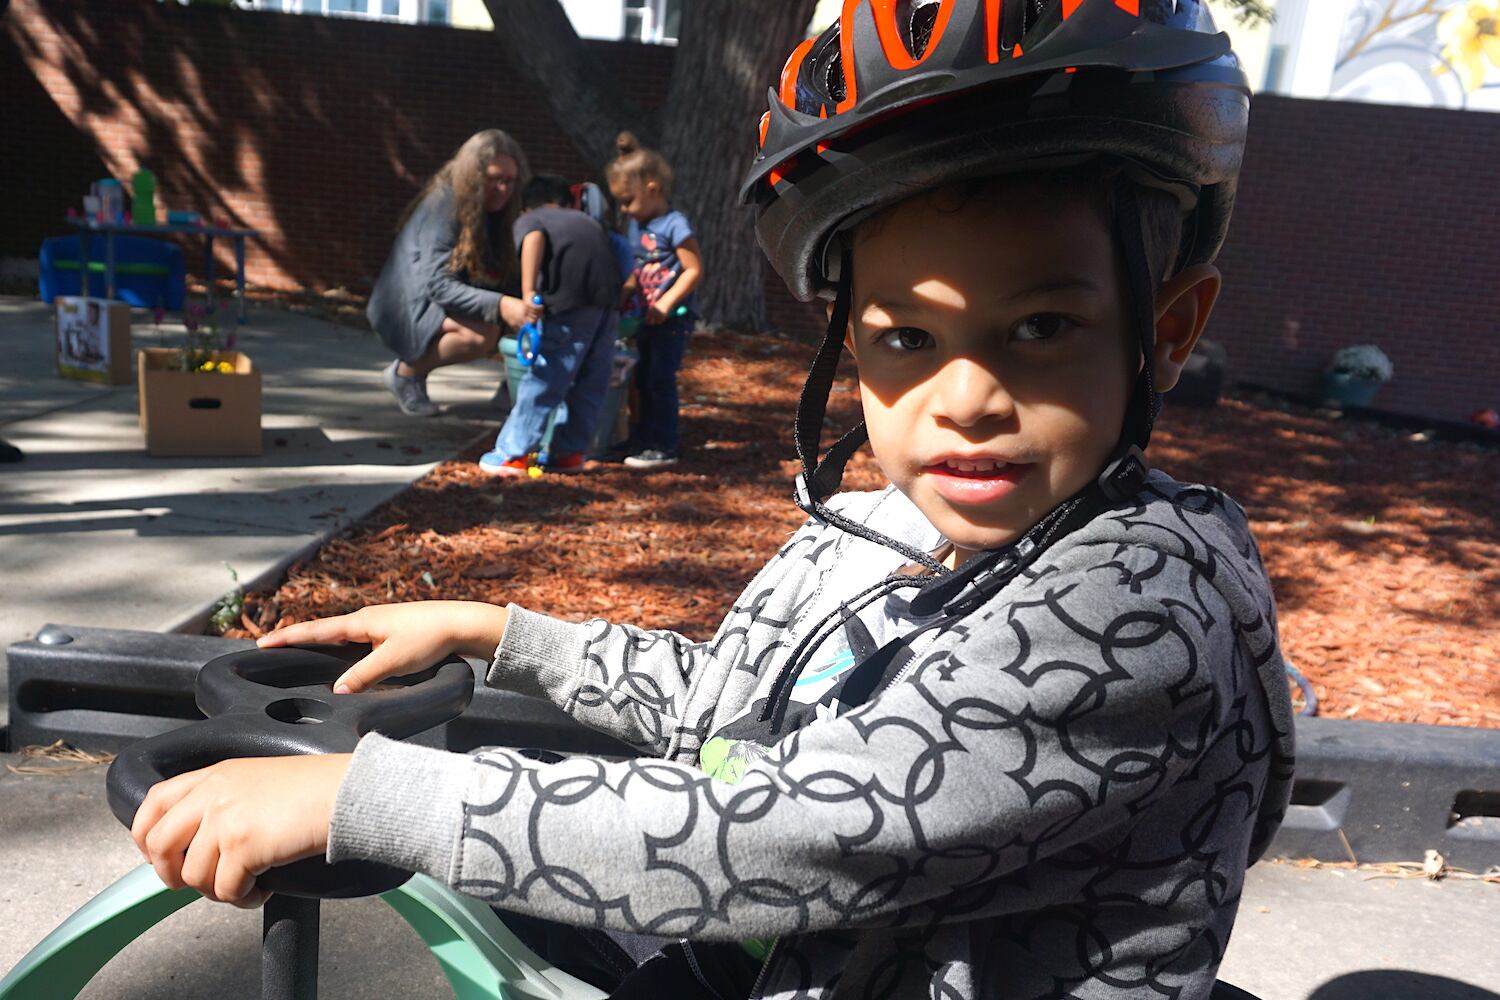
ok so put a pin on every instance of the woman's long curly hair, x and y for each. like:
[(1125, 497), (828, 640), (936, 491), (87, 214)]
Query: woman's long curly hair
[(464, 177)]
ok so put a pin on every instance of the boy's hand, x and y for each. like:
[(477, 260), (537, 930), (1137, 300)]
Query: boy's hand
[(516, 313), (216, 829), (407, 637)]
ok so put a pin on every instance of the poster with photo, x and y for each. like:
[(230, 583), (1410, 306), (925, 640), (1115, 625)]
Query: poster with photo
[(93, 339)]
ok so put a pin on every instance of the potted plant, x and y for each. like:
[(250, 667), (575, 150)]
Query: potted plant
[(202, 398), (1355, 373)]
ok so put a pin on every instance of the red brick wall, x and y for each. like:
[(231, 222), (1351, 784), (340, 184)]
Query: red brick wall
[(1357, 223), (314, 131), (1362, 223)]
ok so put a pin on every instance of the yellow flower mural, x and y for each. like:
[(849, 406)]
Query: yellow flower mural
[(1470, 34)]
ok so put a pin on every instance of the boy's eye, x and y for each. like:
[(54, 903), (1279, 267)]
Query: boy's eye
[(1042, 326), (905, 338)]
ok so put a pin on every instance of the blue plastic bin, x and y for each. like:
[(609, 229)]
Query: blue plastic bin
[(147, 272)]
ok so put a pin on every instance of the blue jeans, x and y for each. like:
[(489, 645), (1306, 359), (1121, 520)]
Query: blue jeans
[(571, 371), (662, 348)]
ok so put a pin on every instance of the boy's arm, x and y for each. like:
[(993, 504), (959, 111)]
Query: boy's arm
[(1059, 716), (533, 248), (629, 682), (618, 679)]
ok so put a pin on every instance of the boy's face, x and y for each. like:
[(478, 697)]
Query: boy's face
[(995, 358)]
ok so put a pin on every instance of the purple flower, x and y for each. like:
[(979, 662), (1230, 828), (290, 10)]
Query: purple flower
[(158, 314), (196, 310), (230, 341), (190, 321)]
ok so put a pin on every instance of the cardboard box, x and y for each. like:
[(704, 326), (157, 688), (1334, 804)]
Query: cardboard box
[(93, 339), (204, 414)]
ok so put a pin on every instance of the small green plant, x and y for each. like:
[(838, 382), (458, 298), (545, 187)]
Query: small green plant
[(227, 610)]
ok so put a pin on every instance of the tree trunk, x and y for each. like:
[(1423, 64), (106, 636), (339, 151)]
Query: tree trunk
[(731, 52), (587, 104)]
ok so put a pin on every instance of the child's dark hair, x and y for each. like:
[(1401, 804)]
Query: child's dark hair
[(546, 189), (640, 165)]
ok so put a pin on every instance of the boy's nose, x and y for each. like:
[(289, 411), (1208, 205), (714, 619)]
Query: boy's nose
[(970, 392)]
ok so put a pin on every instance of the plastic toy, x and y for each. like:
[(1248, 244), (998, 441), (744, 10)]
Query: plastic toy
[(529, 339)]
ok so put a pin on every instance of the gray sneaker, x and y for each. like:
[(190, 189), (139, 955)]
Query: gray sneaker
[(410, 393), (651, 458)]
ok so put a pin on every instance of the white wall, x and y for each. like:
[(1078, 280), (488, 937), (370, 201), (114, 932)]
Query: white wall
[(597, 18)]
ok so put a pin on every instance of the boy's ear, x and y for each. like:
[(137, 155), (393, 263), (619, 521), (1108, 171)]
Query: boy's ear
[(1183, 304)]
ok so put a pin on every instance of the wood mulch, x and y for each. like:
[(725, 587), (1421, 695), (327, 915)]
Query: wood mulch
[(1384, 550)]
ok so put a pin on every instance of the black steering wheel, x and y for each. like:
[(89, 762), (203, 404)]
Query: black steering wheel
[(280, 702)]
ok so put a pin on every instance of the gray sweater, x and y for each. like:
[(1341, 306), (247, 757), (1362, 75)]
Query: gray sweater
[(1058, 799), (417, 288)]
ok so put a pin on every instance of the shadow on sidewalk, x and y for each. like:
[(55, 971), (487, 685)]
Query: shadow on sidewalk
[(1398, 984)]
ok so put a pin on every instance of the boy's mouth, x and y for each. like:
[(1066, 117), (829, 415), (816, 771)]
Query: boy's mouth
[(976, 467), (975, 480)]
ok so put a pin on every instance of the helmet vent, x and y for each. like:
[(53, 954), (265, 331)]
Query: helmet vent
[(835, 81), (919, 26)]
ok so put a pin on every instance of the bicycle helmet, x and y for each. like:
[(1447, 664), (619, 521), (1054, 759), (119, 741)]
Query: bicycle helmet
[(903, 96)]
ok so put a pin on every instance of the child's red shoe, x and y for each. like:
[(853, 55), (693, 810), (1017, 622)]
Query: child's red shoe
[(497, 464), (564, 462)]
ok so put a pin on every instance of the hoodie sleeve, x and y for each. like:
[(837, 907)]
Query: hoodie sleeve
[(1062, 712), (617, 679), (629, 682)]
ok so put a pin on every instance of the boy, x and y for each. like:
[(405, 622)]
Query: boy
[(566, 258), (1011, 728)]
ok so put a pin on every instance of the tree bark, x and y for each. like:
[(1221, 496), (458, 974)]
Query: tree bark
[(586, 102), (731, 52)]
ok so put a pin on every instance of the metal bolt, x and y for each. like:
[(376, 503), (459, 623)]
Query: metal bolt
[(51, 635)]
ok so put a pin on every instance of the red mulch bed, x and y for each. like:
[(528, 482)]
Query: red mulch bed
[(1384, 550)]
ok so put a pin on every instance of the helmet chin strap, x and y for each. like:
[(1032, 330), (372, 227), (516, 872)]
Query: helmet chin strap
[(1122, 477), (820, 478)]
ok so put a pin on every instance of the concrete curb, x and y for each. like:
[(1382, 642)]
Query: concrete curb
[(1381, 791), (195, 622)]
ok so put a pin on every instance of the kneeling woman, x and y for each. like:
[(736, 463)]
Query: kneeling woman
[(437, 300)]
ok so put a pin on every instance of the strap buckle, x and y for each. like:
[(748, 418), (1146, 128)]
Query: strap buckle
[(1124, 477), (806, 500)]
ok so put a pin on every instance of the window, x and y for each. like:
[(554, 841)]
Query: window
[(437, 11), (653, 21), (671, 21), (637, 20)]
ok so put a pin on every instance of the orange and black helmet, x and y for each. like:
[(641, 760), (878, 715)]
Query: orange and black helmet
[(902, 96)]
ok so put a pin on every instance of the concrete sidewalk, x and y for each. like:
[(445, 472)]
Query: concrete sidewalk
[(95, 532), (1302, 934)]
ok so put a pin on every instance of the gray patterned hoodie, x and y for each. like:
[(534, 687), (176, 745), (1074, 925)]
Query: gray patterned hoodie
[(1057, 797)]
